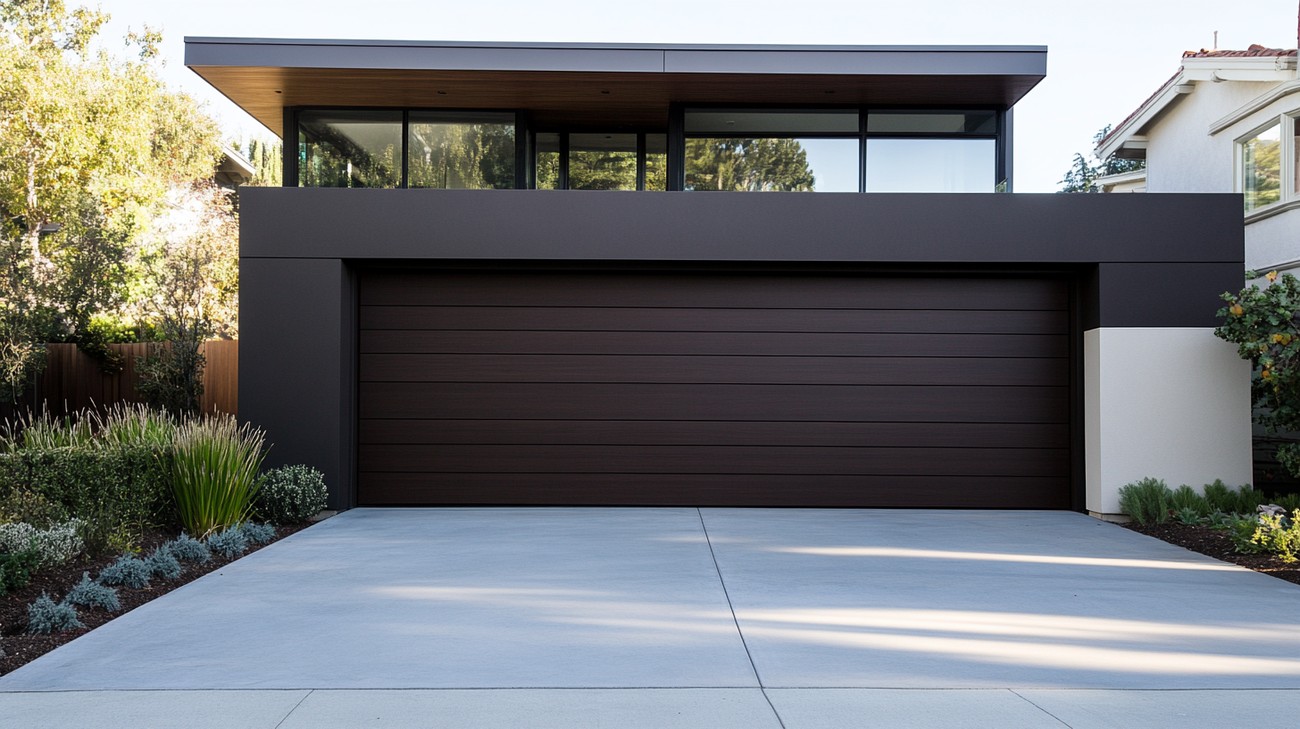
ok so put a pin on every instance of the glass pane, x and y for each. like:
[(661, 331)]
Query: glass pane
[(349, 148), (740, 121), (766, 164), (931, 165), (461, 151), (1295, 166), (1261, 158), (602, 161), (656, 162), (547, 161), (933, 122)]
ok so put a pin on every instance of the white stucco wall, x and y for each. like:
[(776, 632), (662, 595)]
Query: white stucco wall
[(1181, 154), (1170, 403)]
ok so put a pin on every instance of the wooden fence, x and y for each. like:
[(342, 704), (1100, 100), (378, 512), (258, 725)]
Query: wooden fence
[(73, 381)]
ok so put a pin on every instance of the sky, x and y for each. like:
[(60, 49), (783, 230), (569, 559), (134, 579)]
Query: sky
[(1104, 58)]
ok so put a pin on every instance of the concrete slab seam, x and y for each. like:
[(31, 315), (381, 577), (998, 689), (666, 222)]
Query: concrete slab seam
[(723, 583), (1036, 706), (285, 718)]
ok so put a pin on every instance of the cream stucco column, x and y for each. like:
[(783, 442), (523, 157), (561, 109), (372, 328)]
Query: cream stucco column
[(1170, 403)]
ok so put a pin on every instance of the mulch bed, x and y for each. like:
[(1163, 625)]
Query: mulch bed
[(1218, 544), (20, 648)]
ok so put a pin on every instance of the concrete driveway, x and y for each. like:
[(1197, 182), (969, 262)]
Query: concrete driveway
[(683, 617)]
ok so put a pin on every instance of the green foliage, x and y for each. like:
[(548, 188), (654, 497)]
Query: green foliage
[(44, 616), (22, 505), (748, 165), (163, 564), (257, 533), (1188, 515), (1187, 498), (91, 594), (127, 571), (1084, 171), (229, 543), (291, 494), (188, 549), (214, 472), (1146, 501), (135, 425), (1288, 502), (1277, 533), (53, 546), (1263, 323), (16, 569)]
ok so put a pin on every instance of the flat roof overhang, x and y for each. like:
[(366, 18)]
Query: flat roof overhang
[(611, 85)]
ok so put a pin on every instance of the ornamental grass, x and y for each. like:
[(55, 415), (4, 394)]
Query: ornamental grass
[(215, 472)]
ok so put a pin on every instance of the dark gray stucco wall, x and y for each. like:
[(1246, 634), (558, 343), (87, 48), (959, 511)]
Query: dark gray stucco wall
[(1141, 261)]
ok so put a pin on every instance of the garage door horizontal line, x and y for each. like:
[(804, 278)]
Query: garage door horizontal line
[(1000, 492)]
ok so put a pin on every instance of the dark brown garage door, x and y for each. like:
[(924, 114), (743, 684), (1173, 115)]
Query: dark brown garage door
[(739, 389)]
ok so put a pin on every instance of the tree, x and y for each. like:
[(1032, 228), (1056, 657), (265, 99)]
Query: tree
[(90, 145), (1084, 171), (748, 165)]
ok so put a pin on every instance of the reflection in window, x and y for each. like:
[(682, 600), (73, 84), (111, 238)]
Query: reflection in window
[(547, 161), (602, 161), (933, 122), (350, 148), (461, 151), (768, 164), (1261, 158), (931, 165), (656, 162)]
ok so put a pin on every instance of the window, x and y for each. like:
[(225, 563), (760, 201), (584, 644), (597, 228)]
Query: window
[(460, 151), (600, 161), (1261, 167), (839, 150), (350, 148)]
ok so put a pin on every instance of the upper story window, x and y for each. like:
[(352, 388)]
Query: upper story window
[(600, 161), (1261, 166), (395, 148), (839, 150)]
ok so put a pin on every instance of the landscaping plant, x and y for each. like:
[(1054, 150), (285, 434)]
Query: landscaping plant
[(1147, 501), (127, 571), (291, 494), (229, 543), (44, 616), (91, 594), (188, 549), (214, 472)]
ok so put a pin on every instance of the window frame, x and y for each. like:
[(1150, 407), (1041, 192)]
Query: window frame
[(562, 181), (1287, 188)]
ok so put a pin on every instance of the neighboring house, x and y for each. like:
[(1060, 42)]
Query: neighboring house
[(233, 169), (1225, 122), (940, 345)]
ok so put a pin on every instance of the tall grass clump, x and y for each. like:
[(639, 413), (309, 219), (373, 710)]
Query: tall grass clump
[(1147, 501), (132, 425), (214, 468), (45, 431)]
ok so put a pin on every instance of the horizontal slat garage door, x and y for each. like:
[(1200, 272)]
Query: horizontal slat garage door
[(624, 388)]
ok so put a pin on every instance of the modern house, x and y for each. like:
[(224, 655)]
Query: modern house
[(711, 275), (1225, 122)]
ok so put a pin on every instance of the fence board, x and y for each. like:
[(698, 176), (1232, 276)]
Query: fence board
[(73, 381)]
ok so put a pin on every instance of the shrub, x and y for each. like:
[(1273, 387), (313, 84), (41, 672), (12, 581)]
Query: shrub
[(291, 494), (163, 564), (1288, 502), (1220, 497), (1278, 534), (53, 546), (1185, 497), (128, 571), (1147, 501), (44, 616), (16, 569), (214, 472), (1187, 515), (257, 533), (91, 594), (229, 543), (188, 549), (22, 504)]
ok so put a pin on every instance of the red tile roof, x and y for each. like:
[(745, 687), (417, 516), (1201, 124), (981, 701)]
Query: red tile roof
[(1254, 50)]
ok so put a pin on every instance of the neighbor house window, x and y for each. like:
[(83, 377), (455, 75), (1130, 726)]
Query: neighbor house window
[(350, 149), (1261, 167), (467, 151)]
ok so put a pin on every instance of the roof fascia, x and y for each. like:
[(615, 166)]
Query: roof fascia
[(1129, 135), (1256, 104)]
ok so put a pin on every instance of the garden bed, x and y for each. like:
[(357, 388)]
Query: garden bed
[(1216, 543), (21, 648)]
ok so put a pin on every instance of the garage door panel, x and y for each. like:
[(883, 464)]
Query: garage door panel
[(714, 402), (550, 318), (728, 291), (633, 432), (1000, 492), (716, 343), (711, 369), (712, 459)]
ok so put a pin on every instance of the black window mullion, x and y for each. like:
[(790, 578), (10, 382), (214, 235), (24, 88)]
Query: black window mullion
[(640, 160), (406, 133), (563, 182)]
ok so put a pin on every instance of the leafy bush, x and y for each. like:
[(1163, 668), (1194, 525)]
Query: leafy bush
[(1288, 502), (127, 571), (229, 543), (291, 494), (44, 616), (28, 506), (188, 549), (1188, 515), (214, 472), (1147, 501), (257, 533), (1277, 533), (16, 569), (91, 594), (1187, 498), (163, 564), (1221, 497), (53, 546)]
